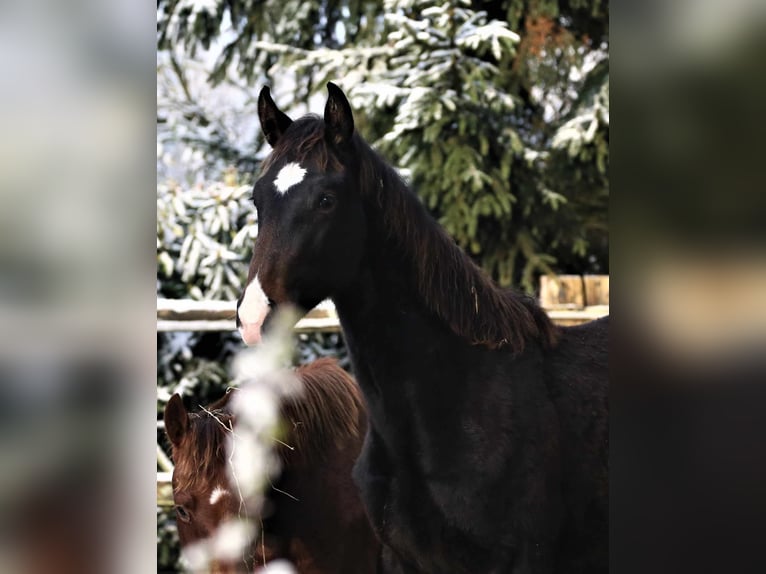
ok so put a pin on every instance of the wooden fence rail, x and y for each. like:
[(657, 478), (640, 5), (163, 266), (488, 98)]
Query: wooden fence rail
[(568, 300), (188, 315)]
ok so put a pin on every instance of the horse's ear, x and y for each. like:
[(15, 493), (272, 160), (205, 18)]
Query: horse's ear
[(274, 122), (338, 119), (176, 419)]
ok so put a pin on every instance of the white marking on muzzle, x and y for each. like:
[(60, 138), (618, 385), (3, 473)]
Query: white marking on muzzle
[(252, 312), (217, 494), (291, 174)]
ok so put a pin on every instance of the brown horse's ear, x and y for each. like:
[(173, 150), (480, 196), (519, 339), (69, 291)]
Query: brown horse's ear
[(274, 122), (338, 119), (176, 419)]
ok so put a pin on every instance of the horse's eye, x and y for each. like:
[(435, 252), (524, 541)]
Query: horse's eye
[(182, 513), (326, 201)]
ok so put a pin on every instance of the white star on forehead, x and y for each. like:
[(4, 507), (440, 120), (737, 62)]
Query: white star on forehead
[(291, 174), (217, 493)]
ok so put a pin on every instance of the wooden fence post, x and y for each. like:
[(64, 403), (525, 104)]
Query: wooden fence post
[(562, 292), (596, 289)]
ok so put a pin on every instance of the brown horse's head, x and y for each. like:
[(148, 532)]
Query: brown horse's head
[(202, 491), (312, 515), (311, 224)]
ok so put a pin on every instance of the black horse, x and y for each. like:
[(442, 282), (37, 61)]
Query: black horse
[(488, 439)]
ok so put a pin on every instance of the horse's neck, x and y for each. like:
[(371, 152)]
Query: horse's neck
[(384, 298), (397, 345), (382, 305)]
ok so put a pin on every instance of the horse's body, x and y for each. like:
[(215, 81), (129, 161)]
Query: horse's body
[(492, 463), (312, 514), (487, 447)]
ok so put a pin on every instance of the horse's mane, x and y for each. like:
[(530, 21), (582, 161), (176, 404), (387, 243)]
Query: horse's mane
[(450, 284), (325, 414), (201, 454), (304, 140)]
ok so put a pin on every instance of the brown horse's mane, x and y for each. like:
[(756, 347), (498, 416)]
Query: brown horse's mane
[(327, 413), (201, 454), (450, 284), (324, 415)]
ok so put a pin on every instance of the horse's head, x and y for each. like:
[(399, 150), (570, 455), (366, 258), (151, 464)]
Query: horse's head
[(202, 492), (311, 225)]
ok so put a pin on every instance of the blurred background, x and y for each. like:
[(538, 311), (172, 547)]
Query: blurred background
[(77, 212), (688, 359)]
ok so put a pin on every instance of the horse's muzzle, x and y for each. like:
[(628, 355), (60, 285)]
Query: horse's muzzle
[(252, 310)]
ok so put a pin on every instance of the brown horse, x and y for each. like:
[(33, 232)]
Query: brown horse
[(313, 515)]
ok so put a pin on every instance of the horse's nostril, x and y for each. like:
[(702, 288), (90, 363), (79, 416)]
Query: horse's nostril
[(272, 303)]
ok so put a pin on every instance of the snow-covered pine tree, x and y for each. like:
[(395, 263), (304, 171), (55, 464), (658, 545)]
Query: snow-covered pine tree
[(509, 186), (452, 125)]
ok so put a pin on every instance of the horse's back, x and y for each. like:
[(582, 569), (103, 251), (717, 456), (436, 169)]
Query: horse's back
[(578, 366), (322, 525), (578, 382)]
